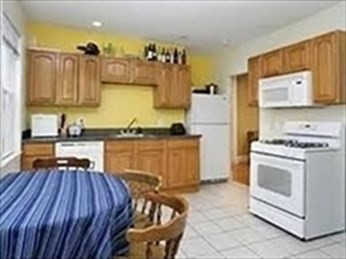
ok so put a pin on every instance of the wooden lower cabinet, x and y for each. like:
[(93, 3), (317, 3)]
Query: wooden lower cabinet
[(182, 163), (119, 155), (33, 151), (151, 157), (176, 161)]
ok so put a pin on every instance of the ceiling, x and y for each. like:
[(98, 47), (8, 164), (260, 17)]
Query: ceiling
[(201, 25)]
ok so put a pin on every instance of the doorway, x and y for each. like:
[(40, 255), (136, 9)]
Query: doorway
[(246, 124)]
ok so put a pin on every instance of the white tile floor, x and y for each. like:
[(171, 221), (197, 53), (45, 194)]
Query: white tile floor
[(220, 226)]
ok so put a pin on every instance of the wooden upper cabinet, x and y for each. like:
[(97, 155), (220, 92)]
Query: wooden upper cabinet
[(67, 81), (89, 80), (116, 70), (143, 72), (254, 74), (41, 77), (182, 87), (174, 87), (162, 93), (272, 63), (297, 57), (182, 163), (328, 68)]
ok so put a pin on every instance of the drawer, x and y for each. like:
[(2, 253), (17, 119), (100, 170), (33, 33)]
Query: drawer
[(38, 149), (151, 144), (120, 145), (183, 143)]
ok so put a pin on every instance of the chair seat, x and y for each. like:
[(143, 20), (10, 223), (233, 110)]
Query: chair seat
[(141, 221)]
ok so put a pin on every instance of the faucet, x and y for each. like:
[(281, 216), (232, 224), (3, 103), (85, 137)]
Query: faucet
[(128, 127)]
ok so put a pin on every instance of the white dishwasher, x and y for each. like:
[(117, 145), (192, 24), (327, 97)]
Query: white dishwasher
[(93, 150)]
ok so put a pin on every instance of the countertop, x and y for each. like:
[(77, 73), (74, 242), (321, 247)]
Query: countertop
[(111, 134)]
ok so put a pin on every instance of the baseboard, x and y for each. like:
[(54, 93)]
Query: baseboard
[(241, 159)]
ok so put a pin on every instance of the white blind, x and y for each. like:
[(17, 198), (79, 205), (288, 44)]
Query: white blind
[(10, 108)]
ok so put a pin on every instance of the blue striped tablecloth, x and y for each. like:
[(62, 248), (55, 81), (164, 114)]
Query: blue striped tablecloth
[(63, 214)]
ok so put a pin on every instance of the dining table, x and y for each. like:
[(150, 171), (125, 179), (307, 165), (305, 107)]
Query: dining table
[(54, 213)]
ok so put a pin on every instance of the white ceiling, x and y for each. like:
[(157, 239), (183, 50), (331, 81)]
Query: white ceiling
[(201, 25)]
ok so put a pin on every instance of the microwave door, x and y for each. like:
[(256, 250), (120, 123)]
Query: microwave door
[(277, 95)]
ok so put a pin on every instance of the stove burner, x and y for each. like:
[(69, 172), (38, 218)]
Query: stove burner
[(295, 143)]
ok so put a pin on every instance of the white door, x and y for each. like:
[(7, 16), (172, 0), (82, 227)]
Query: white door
[(214, 151), (209, 109), (279, 182)]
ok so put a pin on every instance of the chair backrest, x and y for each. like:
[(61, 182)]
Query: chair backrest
[(61, 162), (140, 183), (169, 234)]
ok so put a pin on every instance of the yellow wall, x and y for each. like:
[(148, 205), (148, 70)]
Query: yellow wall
[(119, 103)]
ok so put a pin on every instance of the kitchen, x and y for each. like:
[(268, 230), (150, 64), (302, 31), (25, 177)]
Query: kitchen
[(110, 111)]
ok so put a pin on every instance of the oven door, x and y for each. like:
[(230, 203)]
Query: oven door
[(279, 182)]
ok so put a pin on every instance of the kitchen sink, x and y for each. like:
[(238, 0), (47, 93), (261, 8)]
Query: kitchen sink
[(131, 135)]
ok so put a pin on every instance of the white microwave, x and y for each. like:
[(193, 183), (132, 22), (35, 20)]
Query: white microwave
[(44, 125), (291, 90)]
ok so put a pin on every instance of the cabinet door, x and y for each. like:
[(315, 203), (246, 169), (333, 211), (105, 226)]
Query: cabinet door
[(182, 163), (272, 63), (325, 68), (67, 83), (151, 158), (181, 92), (119, 162), (297, 57), (42, 75), (162, 93), (116, 70), (89, 81), (33, 151), (143, 72), (120, 155), (255, 73)]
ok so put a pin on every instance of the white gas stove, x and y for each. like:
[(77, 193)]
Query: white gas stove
[(298, 181)]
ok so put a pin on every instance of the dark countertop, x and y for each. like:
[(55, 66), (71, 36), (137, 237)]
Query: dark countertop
[(111, 134)]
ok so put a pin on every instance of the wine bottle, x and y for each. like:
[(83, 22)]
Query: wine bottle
[(183, 57), (150, 52), (145, 53), (175, 56), (154, 52), (168, 57), (163, 55), (172, 56)]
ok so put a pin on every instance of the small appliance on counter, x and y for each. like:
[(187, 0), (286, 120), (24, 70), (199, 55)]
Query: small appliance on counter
[(75, 130), (44, 125), (177, 128)]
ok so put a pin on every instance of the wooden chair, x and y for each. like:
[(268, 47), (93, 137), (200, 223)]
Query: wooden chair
[(161, 240), (140, 183), (61, 162)]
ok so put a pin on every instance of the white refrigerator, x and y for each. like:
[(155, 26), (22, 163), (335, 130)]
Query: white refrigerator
[(209, 116)]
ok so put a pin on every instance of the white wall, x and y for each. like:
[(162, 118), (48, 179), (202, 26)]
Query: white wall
[(14, 11), (231, 61)]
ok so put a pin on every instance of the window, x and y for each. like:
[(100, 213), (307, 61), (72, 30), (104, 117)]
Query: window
[(10, 109)]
